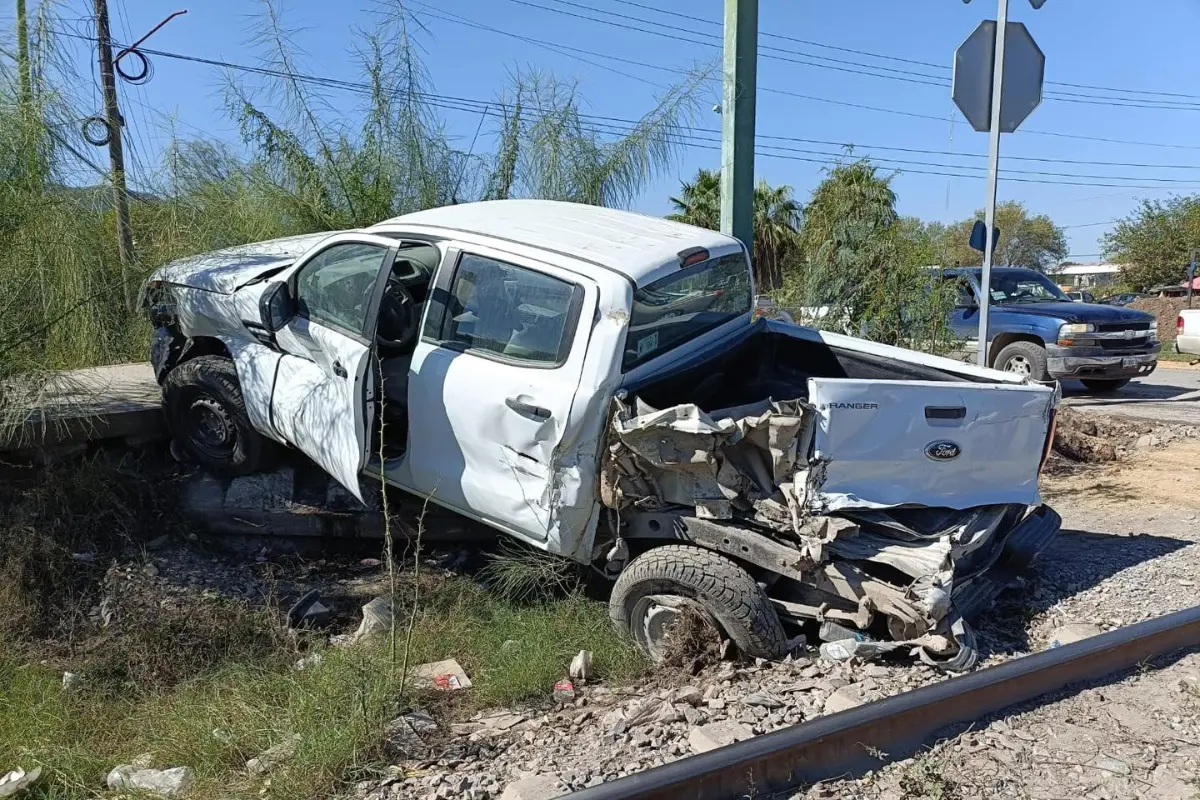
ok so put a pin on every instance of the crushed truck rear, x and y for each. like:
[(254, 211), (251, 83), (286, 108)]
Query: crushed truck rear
[(879, 514)]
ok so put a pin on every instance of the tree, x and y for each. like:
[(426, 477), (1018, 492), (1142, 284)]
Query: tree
[(777, 218), (1025, 241), (866, 265), (1154, 242)]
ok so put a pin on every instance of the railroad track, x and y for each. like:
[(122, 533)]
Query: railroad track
[(866, 737)]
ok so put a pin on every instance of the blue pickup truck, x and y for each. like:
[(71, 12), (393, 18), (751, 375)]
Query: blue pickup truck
[(1037, 330)]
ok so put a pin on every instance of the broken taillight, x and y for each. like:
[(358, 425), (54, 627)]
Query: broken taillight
[(1049, 446)]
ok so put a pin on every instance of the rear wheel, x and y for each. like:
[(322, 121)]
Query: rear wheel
[(1111, 385), (207, 416), (651, 592), (1024, 358)]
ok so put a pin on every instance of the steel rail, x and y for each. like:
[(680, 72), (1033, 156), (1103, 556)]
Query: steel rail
[(844, 743)]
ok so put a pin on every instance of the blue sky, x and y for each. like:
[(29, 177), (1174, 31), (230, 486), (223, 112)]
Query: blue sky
[(1113, 44)]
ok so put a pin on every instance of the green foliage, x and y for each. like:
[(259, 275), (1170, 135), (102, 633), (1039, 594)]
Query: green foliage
[(1025, 241), (1154, 243), (864, 267), (777, 219)]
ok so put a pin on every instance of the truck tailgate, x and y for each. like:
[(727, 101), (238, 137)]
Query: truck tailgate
[(957, 445)]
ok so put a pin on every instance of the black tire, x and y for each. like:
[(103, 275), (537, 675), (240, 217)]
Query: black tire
[(207, 416), (722, 588), (1019, 356), (1107, 385)]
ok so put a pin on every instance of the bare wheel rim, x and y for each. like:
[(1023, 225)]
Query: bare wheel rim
[(210, 428), (1018, 364), (653, 618)]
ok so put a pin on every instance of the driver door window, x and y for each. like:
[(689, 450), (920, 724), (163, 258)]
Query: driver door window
[(337, 286)]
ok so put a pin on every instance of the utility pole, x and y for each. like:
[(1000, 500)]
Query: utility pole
[(116, 154), (739, 78)]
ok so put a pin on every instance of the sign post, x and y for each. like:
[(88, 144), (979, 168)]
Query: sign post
[(998, 74)]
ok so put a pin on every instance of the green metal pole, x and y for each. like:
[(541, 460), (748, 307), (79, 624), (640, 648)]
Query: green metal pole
[(737, 120)]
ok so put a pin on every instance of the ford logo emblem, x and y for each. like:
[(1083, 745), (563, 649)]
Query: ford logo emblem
[(943, 451)]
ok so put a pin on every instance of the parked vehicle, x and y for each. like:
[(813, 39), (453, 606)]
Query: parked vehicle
[(1081, 297), (595, 383), (1187, 332), (1123, 299), (1037, 332)]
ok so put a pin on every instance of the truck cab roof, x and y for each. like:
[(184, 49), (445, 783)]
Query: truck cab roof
[(637, 246)]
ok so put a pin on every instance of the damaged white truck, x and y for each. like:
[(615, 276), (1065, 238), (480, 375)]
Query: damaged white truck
[(596, 383)]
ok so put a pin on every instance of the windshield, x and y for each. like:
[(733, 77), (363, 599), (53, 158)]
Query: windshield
[(1024, 287), (680, 307)]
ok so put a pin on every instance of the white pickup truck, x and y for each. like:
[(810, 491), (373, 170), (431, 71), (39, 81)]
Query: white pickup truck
[(597, 384), (1187, 332)]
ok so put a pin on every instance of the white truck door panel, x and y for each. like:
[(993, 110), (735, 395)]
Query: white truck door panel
[(323, 392), (319, 403), (491, 391), (955, 445)]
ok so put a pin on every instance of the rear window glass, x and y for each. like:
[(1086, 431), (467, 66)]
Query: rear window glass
[(681, 307)]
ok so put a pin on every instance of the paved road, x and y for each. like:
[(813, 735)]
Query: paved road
[(1166, 395)]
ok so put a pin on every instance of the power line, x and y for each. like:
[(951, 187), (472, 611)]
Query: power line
[(829, 63), (813, 98), (898, 59), (476, 105)]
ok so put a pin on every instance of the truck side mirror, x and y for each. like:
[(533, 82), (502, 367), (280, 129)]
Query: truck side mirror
[(275, 307)]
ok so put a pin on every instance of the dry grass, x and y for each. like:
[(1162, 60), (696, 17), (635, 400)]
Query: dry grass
[(210, 684)]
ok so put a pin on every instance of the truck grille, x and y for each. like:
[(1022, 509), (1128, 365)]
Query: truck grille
[(1123, 326)]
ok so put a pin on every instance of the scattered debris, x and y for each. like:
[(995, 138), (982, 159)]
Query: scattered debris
[(703, 738), (537, 787), (844, 699), (445, 675), (406, 735), (273, 756), (308, 662), (18, 780), (581, 666), (309, 611), (376, 621), (163, 782), (370, 562), (71, 681), (564, 691), (1074, 632), (501, 720)]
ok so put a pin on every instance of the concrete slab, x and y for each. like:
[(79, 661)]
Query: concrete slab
[(121, 401)]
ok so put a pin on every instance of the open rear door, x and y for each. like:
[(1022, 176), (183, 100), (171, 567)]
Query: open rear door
[(928, 443)]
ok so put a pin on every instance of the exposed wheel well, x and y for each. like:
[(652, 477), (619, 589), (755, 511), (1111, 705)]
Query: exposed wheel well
[(1003, 340), (197, 346)]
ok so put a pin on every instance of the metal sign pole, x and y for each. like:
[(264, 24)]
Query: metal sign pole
[(985, 282)]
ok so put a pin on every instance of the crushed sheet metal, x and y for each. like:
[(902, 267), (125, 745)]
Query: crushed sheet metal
[(751, 462), (751, 457)]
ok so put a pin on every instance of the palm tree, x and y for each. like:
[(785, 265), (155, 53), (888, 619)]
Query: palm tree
[(777, 218)]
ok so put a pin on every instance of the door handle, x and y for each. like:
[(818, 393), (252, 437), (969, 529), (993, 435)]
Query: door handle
[(524, 405), (339, 370)]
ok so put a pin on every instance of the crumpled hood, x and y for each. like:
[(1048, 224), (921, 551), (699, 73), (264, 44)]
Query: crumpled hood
[(225, 271), (1080, 312)]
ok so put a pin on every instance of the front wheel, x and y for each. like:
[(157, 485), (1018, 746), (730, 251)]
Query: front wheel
[(649, 594), (1110, 385), (1026, 359), (207, 416)]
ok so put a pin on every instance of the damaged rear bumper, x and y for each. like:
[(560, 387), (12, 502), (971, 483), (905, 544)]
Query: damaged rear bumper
[(974, 595)]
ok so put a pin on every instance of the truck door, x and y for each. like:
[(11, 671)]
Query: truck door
[(324, 392), (491, 389)]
